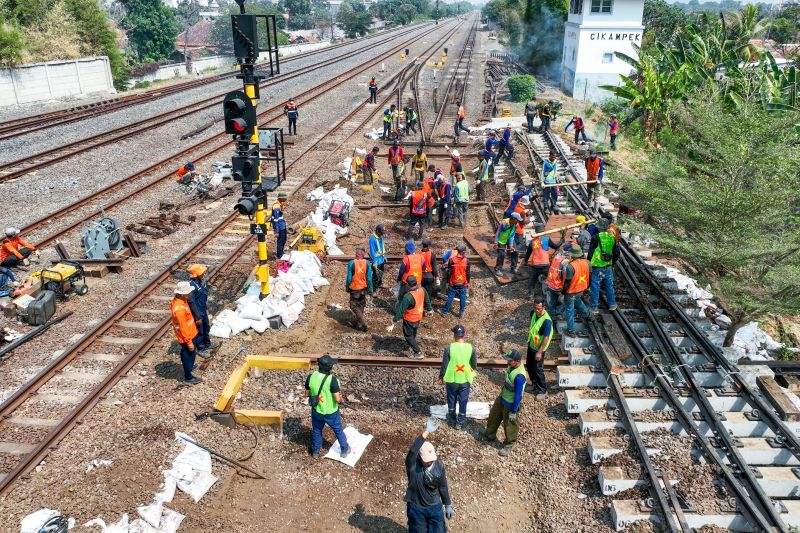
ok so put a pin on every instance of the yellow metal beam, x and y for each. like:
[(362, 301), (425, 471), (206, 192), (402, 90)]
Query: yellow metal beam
[(269, 362), (258, 416), (231, 389)]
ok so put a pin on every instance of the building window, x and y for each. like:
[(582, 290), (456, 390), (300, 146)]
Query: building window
[(574, 53), (575, 6), (602, 6), (608, 58)]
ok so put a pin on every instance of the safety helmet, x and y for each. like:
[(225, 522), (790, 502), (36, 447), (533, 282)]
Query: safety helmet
[(196, 270), (10, 232), (190, 166)]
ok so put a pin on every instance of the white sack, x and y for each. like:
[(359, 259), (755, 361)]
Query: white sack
[(475, 410), (260, 326), (316, 194), (250, 310), (33, 522), (221, 331)]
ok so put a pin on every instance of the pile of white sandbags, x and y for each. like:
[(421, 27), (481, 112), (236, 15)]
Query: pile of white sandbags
[(285, 301), (319, 217)]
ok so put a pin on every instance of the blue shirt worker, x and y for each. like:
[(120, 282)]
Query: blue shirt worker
[(550, 178), (506, 406), (279, 224), (7, 281), (540, 334), (427, 488), (324, 397), (603, 253), (520, 193), (377, 253), (358, 284), (198, 301), (444, 193), (491, 142), (373, 91), (291, 112), (505, 146), (459, 366)]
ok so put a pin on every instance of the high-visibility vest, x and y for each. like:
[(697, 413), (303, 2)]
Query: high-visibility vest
[(415, 313), (521, 210), (579, 123), (616, 231), (358, 281), (534, 339), (549, 176), (614, 126), (387, 117), (427, 255), (483, 171), (580, 279), (327, 404), (413, 263), (458, 270), (504, 235), (539, 256), (458, 368), (442, 191), (554, 278), (419, 201), (461, 111), (373, 84), (592, 168), (379, 252), (394, 155), (607, 240), (182, 321), (462, 190), (420, 162), (508, 390)]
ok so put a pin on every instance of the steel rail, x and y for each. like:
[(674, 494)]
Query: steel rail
[(66, 151), (765, 516), (39, 122), (57, 215), (52, 438)]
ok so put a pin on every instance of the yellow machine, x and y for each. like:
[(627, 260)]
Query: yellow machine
[(63, 278), (506, 112), (311, 239)]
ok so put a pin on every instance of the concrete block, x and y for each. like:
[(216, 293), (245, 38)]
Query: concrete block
[(601, 447), (625, 512), (757, 451), (579, 401), (613, 479)]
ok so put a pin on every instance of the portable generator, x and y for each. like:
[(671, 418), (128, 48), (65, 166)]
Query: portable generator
[(64, 278), (339, 213), (310, 239)]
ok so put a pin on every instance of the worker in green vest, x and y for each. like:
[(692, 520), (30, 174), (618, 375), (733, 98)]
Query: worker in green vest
[(504, 243), (459, 365), (324, 397), (539, 336), (505, 408)]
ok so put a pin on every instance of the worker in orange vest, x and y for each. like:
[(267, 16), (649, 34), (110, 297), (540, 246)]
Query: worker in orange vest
[(186, 173), (358, 284), (418, 210), (430, 272), (457, 267), (458, 127), (594, 173), (537, 256), (291, 112), (613, 130), (373, 91), (410, 309), (14, 250), (576, 274), (580, 128), (394, 158), (185, 329), (413, 264), (429, 186), (554, 283)]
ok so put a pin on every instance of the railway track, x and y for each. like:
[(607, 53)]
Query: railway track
[(20, 167), (23, 126), (210, 147), (654, 365), (77, 379)]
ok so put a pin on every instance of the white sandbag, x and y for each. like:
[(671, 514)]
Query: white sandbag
[(260, 326), (237, 324), (316, 194), (220, 331), (344, 167), (247, 298), (250, 310), (197, 487), (292, 313), (170, 521), (119, 527), (282, 288), (167, 491), (33, 522), (151, 513), (272, 306), (140, 526), (319, 281)]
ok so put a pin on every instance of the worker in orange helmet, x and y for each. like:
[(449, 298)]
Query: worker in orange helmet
[(198, 301), (185, 328)]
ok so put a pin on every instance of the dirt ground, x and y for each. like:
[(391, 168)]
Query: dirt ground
[(545, 486)]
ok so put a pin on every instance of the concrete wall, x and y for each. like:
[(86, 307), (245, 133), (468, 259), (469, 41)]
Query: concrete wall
[(55, 79), (175, 70)]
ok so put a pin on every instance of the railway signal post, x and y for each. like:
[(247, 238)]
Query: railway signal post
[(241, 121)]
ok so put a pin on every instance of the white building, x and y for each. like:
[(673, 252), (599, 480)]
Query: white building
[(596, 29)]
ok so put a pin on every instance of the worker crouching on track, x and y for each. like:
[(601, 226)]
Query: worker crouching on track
[(540, 334), (427, 487), (506, 406), (459, 365), (279, 224), (186, 173), (358, 284), (15, 252), (410, 310), (324, 397), (183, 324), (198, 302)]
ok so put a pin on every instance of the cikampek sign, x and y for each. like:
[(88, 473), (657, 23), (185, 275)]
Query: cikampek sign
[(596, 36)]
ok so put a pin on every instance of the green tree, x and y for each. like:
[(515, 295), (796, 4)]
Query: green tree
[(406, 13), (354, 18), (97, 37), (12, 45), (188, 12), (522, 87), (662, 20), (300, 16), (723, 194), (151, 27)]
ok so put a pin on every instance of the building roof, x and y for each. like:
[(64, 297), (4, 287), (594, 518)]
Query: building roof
[(197, 36)]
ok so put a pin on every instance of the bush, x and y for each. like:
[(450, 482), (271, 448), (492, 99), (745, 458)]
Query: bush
[(522, 87), (12, 45)]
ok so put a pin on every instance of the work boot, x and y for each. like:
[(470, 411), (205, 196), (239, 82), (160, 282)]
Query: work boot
[(505, 451), (612, 308), (344, 454), (315, 455), (541, 396), (193, 380), (490, 438), (416, 355)]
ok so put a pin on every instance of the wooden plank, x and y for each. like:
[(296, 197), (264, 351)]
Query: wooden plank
[(483, 244), (616, 339), (779, 398)]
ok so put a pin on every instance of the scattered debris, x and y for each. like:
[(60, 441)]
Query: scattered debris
[(97, 463)]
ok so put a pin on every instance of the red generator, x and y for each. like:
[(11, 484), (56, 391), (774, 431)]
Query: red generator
[(339, 213)]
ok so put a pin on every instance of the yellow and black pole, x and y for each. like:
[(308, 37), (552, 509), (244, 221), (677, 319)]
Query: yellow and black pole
[(262, 270)]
